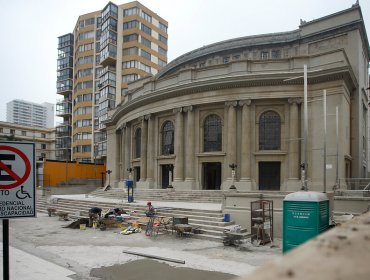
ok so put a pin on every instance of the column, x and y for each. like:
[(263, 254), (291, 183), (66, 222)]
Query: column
[(122, 152), (245, 162), (231, 134), (293, 138), (150, 153), (116, 171), (190, 144), (143, 144), (179, 146), (127, 149)]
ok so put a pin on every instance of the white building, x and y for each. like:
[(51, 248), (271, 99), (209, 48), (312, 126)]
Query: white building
[(30, 114)]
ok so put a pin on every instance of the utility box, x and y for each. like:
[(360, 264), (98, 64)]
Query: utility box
[(305, 215)]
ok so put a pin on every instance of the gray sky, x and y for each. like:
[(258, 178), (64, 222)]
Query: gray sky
[(29, 31)]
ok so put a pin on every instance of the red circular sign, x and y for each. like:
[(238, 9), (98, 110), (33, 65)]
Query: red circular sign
[(18, 179)]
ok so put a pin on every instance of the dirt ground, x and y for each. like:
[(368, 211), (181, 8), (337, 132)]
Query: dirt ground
[(95, 254)]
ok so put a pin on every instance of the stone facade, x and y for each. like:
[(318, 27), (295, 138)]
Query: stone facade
[(241, 102)]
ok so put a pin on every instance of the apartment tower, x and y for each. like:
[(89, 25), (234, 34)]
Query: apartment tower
[(30, 114), (107, 50)]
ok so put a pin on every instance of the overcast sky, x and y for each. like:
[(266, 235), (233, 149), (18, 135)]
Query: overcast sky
[(29, 31)]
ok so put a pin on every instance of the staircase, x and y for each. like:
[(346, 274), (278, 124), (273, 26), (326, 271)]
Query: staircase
[(210, 222), (200, 196)]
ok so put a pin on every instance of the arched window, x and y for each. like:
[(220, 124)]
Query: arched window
[(168, 132), (212, 140), (269, 131), (138, 143)]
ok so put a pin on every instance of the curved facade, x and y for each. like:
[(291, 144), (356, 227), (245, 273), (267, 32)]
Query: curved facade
[(232, 113)]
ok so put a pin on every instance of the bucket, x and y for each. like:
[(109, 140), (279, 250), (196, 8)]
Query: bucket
[(226, 217), (82, 226)]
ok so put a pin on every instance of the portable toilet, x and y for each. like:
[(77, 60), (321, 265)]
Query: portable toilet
[(305, 215)]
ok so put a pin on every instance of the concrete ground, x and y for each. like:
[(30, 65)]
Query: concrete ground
[(42, 249)]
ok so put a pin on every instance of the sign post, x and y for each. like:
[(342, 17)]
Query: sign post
[(17, 188)]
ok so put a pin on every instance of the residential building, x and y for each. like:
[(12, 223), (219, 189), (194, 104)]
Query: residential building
[(44, 138), (233, 113), (107, 50), (31, 114)]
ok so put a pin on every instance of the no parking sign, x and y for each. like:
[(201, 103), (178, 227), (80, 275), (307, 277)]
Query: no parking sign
[(17, 180)]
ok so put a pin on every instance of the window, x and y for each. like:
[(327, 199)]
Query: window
[(145, 67), (146, 29), (131, 51), (276, 54), (130, 12), (130, 64), (43, 135), (212, 129), (162, 50), (162, 27), (138, 143), (24, 133), (162, 39), (226, 59), (129, 38), (168, 133), (129, 78), (161, 62), (43, 146), (146, 42), (131, 24), (145, 54), (1, 130), (147, 17), (264, 55), (269, 131)]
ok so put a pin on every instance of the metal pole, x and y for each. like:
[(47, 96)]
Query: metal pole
[(305, 126), (324, 141), (337, 134), (6, 249)]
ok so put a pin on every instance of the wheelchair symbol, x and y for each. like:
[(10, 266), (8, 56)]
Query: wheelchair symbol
[(22, 194)]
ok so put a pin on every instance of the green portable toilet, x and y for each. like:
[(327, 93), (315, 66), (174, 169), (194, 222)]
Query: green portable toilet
[(305, 215)]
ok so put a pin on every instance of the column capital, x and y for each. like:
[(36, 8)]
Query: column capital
[(148, 117), (231, 103), (177, 110), (188, 109), (295, 100), (141, 118), (245, 102)]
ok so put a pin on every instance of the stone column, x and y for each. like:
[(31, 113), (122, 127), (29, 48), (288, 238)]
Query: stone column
[(143, 144), (179, 146), (127, 151), (231, 134), (190, 145), (150, 153), (293, 138), (122, 153), (116, 171), (245, 162)]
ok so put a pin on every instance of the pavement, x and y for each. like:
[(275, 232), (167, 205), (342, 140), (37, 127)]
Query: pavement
[(42, 249)]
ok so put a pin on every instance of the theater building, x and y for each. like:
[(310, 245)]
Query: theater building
[(237, 106)]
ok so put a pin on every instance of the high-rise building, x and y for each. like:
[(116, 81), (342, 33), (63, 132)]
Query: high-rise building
[(107, 50), (30, 114)]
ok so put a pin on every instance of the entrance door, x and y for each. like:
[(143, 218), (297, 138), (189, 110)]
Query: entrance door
[(269, 175), (166, 168), (211, 175)]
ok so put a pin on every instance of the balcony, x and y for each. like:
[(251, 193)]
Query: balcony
[(64, 87), (108, 55), (63, 108)]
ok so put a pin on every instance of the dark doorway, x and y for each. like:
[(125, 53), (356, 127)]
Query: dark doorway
[(211, 175), (137, 173), (166, 168), (269, 175)]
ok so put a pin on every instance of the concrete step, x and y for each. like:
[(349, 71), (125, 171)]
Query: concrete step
[(209, 221)]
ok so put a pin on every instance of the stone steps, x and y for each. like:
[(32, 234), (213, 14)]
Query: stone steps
[(210, 222), (163, 195)]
